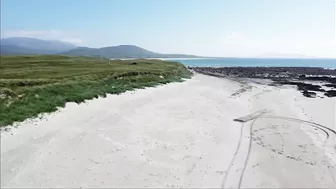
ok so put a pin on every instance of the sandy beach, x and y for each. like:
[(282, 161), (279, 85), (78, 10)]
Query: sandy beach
[(179, 135)]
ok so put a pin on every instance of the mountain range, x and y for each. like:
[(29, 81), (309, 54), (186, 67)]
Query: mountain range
[(31, 46), (22, 45)]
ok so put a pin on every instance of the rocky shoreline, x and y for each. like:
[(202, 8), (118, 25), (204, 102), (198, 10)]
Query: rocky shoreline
[(309, 81)]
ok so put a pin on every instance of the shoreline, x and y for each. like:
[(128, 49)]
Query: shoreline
[(310, 81), (262, 63)]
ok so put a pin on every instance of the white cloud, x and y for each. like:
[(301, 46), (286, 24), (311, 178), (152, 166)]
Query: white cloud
[(240, 44), (65, 36), (233, 36), (72, 40)]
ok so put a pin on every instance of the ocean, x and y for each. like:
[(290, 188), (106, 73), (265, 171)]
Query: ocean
[(257, 62)]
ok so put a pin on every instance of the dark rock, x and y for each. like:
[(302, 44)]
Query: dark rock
[(309, 94), (330, 93), (322, 78), (303, 86), (281, 76), (330, 85), (302, 76), (319, 74)]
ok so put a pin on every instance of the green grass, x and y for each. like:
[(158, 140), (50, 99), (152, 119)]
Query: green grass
[(30, 85)]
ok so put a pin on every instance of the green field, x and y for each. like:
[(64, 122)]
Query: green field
[(30, 85)]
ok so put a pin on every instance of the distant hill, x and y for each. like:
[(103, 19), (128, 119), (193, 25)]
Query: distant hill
[(15, 50), (121, 51), (23, 45)]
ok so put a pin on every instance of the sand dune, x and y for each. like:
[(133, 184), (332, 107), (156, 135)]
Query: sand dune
[(178, 135)]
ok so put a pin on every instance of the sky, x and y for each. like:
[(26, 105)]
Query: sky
[(226, 28)]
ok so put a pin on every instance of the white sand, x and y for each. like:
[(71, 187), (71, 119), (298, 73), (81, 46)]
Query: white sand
[(177, 135)]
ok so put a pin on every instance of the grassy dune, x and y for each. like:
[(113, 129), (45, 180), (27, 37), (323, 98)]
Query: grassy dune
[(30, 85)]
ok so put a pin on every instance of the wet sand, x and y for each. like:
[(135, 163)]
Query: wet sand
[(178, 135)]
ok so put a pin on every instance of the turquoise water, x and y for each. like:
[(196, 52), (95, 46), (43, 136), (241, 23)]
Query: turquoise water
[(255, 62)]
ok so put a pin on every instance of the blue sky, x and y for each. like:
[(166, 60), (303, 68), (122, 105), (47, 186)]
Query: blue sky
[(240, 28)]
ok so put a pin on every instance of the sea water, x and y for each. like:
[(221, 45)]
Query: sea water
[(257, 62)]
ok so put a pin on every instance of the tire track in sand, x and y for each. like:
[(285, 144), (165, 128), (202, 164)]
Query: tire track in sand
[(327, 131), (312, 124), (228, 169)]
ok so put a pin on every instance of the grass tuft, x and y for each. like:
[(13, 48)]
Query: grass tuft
[(30, 85)]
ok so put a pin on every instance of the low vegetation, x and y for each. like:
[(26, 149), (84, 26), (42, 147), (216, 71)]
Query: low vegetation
[(30, 85)]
